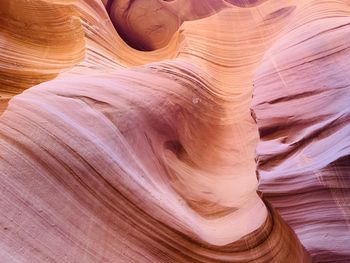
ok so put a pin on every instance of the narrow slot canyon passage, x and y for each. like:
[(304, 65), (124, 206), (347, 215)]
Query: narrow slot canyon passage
[(174, 131)]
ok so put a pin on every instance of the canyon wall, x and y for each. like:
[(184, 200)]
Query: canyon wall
[(174, 131)]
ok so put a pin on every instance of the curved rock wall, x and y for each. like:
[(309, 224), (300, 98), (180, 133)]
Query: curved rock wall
[(301, 105), (122, 155)]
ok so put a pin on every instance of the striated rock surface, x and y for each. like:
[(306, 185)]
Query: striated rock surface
[(301, 95), (141, 129)]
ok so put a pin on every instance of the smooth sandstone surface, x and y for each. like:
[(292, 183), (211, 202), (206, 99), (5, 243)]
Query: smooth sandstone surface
[(174, 131)]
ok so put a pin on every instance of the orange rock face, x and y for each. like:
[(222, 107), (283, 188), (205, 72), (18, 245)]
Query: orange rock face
[(174, 131)]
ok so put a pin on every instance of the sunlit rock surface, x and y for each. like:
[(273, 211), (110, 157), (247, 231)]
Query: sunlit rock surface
[(174, 131)]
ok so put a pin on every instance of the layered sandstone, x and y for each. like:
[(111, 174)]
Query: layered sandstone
[(174, 131)]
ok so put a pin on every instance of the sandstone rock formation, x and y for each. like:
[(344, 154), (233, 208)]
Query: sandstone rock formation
[(174, 131)]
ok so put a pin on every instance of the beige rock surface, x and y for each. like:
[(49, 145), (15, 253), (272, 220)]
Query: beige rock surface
[(126, 155)]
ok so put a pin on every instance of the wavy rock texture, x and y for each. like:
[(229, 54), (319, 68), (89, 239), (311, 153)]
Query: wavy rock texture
[(301, 105), (123, 155)]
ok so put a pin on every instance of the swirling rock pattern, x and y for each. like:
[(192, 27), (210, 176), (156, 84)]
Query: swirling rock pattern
[(141, 129), (300, 102)]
